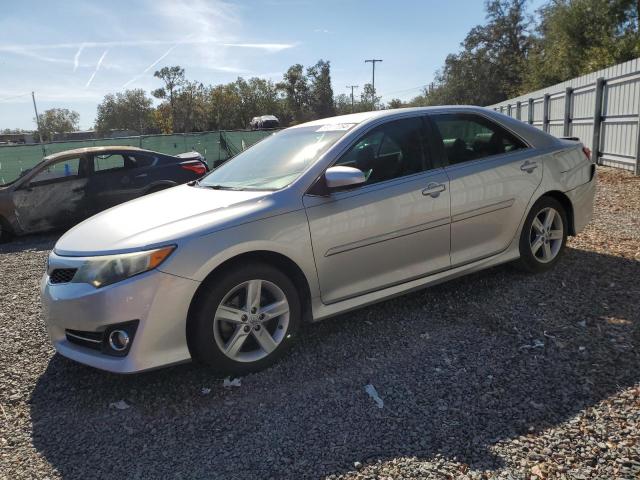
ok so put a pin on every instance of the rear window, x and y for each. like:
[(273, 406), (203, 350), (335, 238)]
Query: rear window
[(469, 137), (118, 161)]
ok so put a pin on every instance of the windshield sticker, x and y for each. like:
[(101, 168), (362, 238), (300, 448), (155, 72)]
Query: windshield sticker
[(335, 127)]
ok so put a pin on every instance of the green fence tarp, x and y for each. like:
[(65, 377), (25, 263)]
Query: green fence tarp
[(215, 146)]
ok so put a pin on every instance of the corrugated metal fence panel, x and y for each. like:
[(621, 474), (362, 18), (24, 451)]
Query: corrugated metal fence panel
[(524, 112), (538, 112), (583, 101), (556, 108), (620, 118)]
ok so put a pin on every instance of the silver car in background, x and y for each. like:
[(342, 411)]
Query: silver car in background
[(313, 221)]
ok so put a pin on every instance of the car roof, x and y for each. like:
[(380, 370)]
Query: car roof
[(375, 114), (534, 136), (85, 150)]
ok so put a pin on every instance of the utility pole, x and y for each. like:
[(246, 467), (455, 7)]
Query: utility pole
[(33, 97), (352, 87), (373, 79)]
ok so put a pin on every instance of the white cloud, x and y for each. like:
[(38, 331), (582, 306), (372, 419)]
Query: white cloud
[(30, 48)]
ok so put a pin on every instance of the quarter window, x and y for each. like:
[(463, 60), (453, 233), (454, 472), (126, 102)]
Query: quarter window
[(469, 137), (389, 151)]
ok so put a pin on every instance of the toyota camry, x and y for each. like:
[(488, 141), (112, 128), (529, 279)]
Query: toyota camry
[(315, 220)]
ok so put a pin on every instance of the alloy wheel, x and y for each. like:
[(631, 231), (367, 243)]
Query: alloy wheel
[(251, 320), (546, 235)]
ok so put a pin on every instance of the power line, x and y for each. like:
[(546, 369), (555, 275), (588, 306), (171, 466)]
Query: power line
[(352, 87), (373, 79), (405, 90)]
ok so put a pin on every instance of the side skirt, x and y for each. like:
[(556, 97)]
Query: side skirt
[(321, 311)]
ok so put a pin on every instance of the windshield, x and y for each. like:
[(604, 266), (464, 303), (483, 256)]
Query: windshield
[(277, 160)]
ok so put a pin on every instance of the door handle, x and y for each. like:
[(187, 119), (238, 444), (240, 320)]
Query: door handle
[(434, 189), (528, 166), (142, 175), (78, 189)]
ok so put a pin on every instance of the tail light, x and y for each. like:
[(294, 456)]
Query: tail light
[(587, 152), (195, 166)]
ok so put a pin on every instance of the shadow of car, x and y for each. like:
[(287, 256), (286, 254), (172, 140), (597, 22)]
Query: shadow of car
[(456, 374)]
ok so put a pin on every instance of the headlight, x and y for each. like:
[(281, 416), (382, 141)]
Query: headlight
[(108, 269)]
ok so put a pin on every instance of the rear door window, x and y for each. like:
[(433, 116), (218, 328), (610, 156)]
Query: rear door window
[(108, 162), (467, 137)]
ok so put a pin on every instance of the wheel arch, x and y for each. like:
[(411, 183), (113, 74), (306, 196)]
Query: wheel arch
[(275, 259), (568, 207)]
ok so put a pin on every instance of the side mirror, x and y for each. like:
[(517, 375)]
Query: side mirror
[(341, 177)]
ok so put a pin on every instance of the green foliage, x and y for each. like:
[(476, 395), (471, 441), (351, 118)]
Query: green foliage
[(368, 100), (295, 88), (128, 110), (174, 80), (320, 91), (576, 37), (504, 58), (491, 65), (57, 120)]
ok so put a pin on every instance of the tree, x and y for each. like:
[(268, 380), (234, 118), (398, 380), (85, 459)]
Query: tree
[(367, 99), (576, 37), (320, 91), (188, 110), (342, 104), (128, 110), (57, 120), (296, 93), (395, 103), (174, 79), (491, 65)]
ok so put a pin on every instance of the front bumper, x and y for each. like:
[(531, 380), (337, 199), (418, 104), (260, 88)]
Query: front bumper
[(158, 301)]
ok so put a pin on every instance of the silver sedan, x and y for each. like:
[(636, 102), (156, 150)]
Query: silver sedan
[(313, 221)]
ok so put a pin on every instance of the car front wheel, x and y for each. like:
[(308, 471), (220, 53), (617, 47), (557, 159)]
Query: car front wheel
[(244, 319), (544, 235)]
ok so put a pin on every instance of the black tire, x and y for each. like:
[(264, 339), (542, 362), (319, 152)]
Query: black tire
[(202, 342), (5, 232), (529, 261)]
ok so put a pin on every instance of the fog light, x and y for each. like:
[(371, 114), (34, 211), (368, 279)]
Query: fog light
[(119, 340)]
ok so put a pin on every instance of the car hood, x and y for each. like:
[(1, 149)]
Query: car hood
[(163, 218)]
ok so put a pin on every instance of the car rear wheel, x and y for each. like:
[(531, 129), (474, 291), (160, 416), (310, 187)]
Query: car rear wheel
[(5, 233), (244, 319), (544, 235)]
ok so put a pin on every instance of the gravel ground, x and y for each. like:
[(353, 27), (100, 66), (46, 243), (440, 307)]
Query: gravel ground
[(498, 374)]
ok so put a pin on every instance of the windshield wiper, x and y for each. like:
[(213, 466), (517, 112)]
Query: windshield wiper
[(219, 187)]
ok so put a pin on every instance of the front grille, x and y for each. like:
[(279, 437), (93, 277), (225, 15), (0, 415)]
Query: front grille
[(91, 340), (62, 275)]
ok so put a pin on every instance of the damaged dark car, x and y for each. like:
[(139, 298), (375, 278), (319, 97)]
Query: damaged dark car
[(68, 187)]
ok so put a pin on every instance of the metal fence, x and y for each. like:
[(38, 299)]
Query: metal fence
[(602, 109), (215, 146)]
